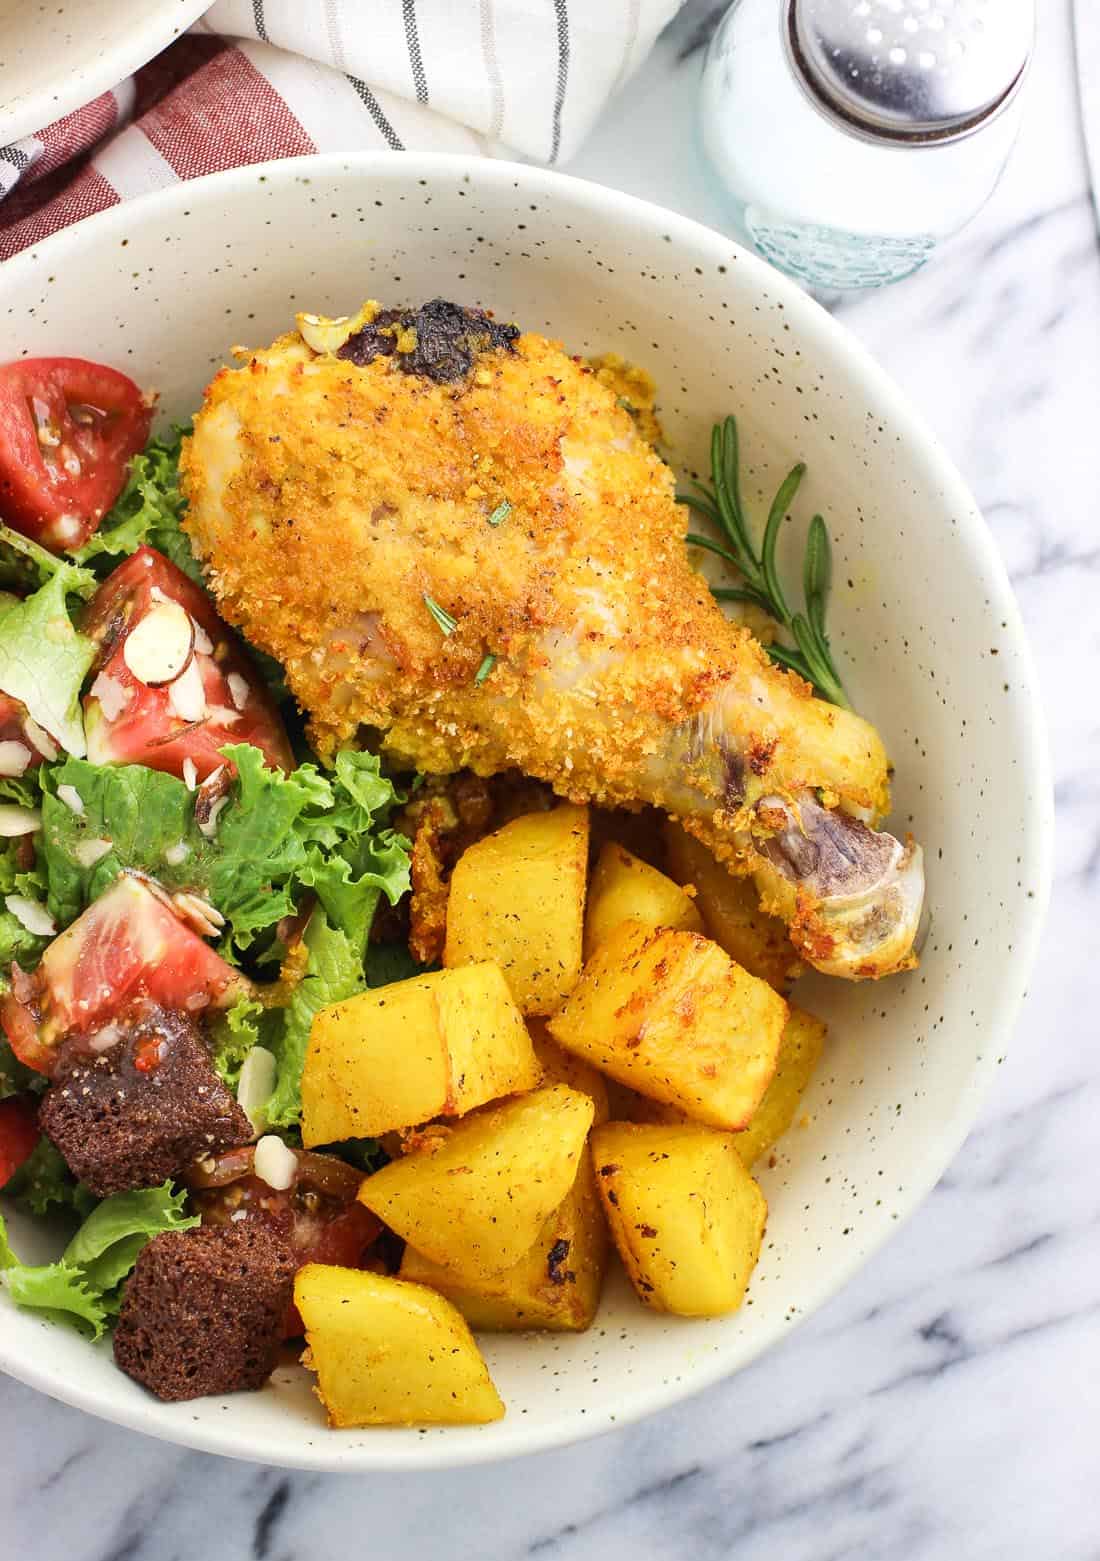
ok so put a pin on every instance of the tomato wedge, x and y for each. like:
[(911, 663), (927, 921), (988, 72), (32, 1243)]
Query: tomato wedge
[(68, 429), (128, 943), (173, 683), (318, 1213), (19, 1133)]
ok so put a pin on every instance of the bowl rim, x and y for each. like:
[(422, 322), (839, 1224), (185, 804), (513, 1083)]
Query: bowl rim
[(98, 71), (805, 315)]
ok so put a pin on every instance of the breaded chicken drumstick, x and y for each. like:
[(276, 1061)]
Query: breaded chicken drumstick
[(454, 535)]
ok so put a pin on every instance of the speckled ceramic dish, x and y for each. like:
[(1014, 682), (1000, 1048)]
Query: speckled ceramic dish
[(56, 55), (925, 631)]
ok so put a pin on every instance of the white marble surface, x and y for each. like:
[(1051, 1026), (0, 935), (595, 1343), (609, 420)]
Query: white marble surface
[(944, 1407)]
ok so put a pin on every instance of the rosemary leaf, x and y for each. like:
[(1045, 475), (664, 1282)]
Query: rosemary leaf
[(441, 616), (485, 668), (502, 511), (810, 656)]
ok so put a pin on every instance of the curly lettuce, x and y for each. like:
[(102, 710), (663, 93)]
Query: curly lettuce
[(83, 1288), (277, 834), (44, 659)]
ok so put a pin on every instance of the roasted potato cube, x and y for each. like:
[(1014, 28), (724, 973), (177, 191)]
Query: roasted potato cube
[(476, 1199), (671, 1015), (685, 1215), (517, 897), (799, 1050), (556, 1285), (432, 1046), (731, 912), (390, 1353), (561, 1067), (437, 1045), (624, 888)]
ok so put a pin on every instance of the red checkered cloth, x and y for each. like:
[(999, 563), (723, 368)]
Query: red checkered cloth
[(260, 79)]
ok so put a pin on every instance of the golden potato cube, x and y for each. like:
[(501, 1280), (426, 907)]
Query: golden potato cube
[(731, 913), (436, 1045), (517, 897), (390, 1353), (624, 888), (561, 1067), (556, 1285), (476, 1200), (685, 1215), (671, 1015), (799, 1050)]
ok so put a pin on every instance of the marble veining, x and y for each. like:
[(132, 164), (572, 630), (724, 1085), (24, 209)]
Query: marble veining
[(943, 1407)]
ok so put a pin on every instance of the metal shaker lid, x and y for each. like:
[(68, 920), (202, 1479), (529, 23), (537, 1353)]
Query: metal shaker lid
[(911, 69)]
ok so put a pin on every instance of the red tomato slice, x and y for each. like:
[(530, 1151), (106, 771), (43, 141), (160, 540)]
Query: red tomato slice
[(214, 697), (19, 1133), (127, 944), (68, 430), (318, 1214)]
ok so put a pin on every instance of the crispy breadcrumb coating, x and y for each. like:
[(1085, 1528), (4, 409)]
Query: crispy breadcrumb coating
[(335, 505)]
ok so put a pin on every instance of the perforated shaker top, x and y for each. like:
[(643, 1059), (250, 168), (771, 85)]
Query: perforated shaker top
[(912, 68)]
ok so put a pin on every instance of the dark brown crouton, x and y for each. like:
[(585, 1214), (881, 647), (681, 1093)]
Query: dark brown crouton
[(203, 1310), (141, 1109)]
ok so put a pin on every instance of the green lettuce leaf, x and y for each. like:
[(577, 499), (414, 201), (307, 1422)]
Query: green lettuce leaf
[(43, 659), (233, 1034), (276, 834), (147, 512), (16, 943), (82, 1288), (106, 1246), (333, 971), (44, 1182), (388, 962), (59, 1292), (15, 1077)]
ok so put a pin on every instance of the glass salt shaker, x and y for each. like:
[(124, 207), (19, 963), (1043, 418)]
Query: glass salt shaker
[(855, 135)]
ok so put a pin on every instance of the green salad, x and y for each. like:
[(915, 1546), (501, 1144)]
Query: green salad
[(278, 864)]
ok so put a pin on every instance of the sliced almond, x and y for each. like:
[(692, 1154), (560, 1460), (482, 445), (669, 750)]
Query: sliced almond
[(186, 694), (208, 823), (160, 645), (94, 849), (39, 738), (113, 696), (198, 913), (238, 690), (31, 914), (15, 821), (71, 798), (275, 1162), (255, 1086), (14, 757)]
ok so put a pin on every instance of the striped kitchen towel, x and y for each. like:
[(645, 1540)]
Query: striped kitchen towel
[(257, 79)]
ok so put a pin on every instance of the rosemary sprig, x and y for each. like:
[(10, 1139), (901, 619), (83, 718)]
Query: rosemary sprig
[(441, 616), (810, 656)]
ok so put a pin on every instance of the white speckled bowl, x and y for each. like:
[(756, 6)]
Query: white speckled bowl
[(925, 629), (56, 55)]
